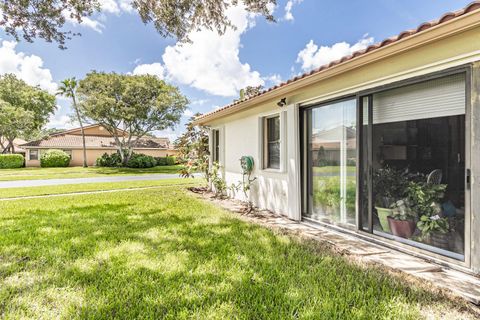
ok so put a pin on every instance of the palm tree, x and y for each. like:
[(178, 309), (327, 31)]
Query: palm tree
[(68, 89)]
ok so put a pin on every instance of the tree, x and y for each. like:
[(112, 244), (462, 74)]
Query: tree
[(68, 89), (193, 148), (21, 101), (45, 19), (249, 92), (14, 122), (136, 104)]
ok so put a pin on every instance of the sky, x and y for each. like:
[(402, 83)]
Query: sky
[(212, 69)]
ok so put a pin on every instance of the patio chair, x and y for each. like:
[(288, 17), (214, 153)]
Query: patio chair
[(435, 177)]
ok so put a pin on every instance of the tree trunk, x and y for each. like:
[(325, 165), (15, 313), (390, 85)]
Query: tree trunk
[(85, 165)]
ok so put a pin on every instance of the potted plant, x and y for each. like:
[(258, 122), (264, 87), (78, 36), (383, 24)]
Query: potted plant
[(425, 199), (389, 187), (434, 230), (401, 221)]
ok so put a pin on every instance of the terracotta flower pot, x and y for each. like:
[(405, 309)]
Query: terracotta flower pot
[(383, 213), (401, 228)]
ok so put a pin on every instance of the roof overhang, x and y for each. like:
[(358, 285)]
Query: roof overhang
[(444, 28)]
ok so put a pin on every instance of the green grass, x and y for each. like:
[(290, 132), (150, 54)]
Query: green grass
[(86, 187), (79, 172), (164, 254), (333, 169)]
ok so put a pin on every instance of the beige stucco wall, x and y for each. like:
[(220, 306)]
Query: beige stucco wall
[(93, 154), (241, 129)]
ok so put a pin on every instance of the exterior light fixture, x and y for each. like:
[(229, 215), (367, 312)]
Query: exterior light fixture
[(282, 102)]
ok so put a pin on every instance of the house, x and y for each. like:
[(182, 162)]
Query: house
[(323, 142), (5, 147), (98, 141)]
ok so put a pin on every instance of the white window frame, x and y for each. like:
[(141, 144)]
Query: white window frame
[(215, 141), (221, 145), (263, 147), (30, 154)]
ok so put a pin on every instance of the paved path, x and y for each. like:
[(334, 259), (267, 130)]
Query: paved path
[(53, 182)]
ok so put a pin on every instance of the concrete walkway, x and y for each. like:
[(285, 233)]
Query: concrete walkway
[(54, 182)]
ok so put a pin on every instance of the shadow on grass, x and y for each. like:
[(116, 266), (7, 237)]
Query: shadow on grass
[(172, 256)]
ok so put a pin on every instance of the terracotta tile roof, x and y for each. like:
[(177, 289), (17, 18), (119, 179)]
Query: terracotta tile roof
[(93, 142), (405, 34)]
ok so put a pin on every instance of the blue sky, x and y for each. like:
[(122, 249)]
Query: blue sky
[(211, 71)]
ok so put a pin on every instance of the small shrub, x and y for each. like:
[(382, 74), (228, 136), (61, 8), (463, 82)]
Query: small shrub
[(54, 158), (138, 160), (166, 161), (109, 160), (11, 161), (161, 161), (171, 161)]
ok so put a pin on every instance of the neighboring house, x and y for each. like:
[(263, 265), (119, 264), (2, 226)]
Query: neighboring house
[(98, 141), (410, 102)]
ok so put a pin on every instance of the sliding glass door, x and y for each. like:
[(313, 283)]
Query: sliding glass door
[(414, 163), (330, 132)]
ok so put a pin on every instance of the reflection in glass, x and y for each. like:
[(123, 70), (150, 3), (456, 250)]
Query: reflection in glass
[(418, 181), (331, 138)]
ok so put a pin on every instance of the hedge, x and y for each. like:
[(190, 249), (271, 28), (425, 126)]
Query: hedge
[(166, 161), (139, 160), (109, 160), (54, 158), (11, 161)]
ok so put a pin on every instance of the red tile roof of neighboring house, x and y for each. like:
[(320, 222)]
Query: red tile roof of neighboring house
[(93, 142), (405, 34)]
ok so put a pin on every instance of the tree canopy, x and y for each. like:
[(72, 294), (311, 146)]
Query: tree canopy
[(45, 19), (137, 104), (24, 109), (192, 146)]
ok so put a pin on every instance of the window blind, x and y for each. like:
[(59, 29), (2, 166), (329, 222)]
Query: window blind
[(430, 99)]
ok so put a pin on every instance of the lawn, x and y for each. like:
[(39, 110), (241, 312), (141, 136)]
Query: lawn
[(89, 187), (79, 172), (333, 170), (163, 253)]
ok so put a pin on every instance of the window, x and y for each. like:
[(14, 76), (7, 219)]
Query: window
[(33, 154), (216, 146), (272, 142)]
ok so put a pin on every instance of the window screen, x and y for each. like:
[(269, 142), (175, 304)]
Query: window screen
[(272, 130)]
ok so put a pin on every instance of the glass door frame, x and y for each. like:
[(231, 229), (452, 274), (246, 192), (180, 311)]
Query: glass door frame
[(306, 161), (361, 179)]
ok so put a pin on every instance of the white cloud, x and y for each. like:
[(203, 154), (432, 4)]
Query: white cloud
[(211, 62), (313, 57), (273, 79), (154, 69), (60, 121), (116, 6), (88, 22), (288, 9), (199, 102), (188, 113), (126, 5), (110, 6), (27, 67)]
